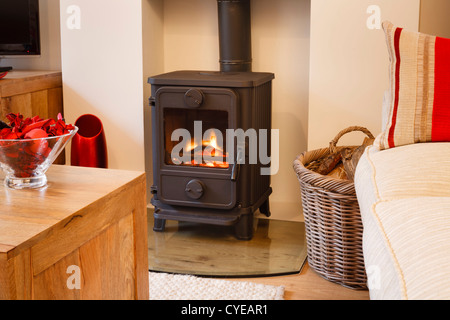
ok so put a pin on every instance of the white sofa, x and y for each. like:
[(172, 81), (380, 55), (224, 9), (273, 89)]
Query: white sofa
[(403, 181), (404, 198)]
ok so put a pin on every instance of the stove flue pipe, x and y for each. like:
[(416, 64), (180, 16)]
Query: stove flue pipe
[(235, 41)]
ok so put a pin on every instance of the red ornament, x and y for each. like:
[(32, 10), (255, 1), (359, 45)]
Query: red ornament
[(89, 144)]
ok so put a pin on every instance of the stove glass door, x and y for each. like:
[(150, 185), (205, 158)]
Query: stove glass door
[(193, 167), (194, 137)]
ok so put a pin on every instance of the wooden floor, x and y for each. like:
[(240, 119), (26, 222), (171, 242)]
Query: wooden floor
[(308, 285)]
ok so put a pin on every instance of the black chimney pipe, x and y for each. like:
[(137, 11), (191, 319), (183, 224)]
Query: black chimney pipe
[(235, 41)]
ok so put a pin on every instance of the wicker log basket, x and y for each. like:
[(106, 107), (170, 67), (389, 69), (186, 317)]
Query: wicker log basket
[(332, 220)]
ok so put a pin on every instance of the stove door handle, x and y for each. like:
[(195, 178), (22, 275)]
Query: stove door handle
[(237, 165), (235, 171)]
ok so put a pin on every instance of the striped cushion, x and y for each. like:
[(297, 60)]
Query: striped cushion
[(419, 89)]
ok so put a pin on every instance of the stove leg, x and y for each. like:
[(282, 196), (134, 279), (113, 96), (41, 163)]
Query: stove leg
[(244, 227), (159, 225), (265, 208)]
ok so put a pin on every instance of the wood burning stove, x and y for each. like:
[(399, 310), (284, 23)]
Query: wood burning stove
[(206, 127)]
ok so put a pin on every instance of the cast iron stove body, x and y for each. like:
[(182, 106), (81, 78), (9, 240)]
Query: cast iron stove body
[(222, 192)]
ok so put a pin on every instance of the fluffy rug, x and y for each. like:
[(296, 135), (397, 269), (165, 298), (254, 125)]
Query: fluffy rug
[(164, 286)]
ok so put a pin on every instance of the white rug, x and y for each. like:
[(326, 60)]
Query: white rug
[(164, 286)]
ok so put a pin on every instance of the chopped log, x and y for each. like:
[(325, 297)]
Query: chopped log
[(350, 158), (329, 163), (338, 172)]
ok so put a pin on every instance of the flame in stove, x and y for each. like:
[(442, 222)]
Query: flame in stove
[(212, 142), (209, 149), (212, 149)]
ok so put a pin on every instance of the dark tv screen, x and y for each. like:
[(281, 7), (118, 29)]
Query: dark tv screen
[(19, 27)]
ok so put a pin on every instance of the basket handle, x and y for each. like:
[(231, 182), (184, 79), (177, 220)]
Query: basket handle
[(334, 142)]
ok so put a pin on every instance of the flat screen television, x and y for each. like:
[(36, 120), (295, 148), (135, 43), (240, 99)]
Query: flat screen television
[(19, 28)]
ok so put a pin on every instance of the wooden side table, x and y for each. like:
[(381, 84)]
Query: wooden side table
[(82, 237)]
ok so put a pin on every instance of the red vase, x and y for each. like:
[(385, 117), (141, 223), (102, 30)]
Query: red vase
[(89, 144)]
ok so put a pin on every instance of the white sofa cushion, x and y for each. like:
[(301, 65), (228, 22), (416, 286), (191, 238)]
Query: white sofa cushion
[(404, 198)]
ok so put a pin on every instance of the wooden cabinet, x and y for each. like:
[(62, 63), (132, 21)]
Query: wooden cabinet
[(82, 237), (32, 93)]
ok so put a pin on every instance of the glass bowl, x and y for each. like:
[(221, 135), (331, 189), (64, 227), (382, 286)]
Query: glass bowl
[(25, 161)]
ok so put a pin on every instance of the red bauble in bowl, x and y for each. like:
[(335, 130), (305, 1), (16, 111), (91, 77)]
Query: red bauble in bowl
[(28, 147)]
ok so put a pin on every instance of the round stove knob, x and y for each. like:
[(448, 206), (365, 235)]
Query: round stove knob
[(193, 98), (195, 189)]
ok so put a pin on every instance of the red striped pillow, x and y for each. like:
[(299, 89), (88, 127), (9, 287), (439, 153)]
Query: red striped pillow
[(419, 88)]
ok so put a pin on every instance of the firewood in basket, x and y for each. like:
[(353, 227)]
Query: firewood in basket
[(347, 153), (329, 163), (350, 158), (338, 172), (313, 165)]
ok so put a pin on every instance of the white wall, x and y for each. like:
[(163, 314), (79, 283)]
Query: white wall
[(103, 74), (349, 66), (280, 44), (190, 35), (50, 58)]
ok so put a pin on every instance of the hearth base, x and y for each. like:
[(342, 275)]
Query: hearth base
[(240, 218)]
